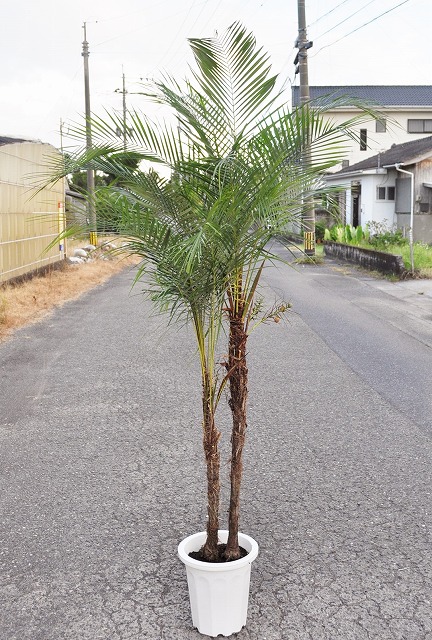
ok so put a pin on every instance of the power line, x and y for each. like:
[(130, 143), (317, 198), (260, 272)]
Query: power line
[(129, 14), (328, 13), (179, 31), (147, 24), (199, 15), (345, 19), (365, 24)]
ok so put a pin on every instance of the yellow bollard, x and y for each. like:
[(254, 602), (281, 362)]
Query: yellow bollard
[(309, 243)]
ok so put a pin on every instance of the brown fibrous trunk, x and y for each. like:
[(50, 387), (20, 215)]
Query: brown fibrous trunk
[(238, 380), (211, 451)]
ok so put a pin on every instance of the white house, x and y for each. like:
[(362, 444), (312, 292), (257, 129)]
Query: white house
[(406, 114), (392, 186)]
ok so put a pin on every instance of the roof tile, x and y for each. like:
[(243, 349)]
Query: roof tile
[(405, 153), (386, 95)]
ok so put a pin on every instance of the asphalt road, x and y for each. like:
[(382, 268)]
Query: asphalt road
[(385, 340), (101, 471)]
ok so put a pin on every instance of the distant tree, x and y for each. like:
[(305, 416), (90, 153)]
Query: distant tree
[(130, 161), (78, 181)]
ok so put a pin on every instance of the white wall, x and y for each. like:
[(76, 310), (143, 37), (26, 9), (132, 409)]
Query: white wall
[(373, 209), (396, 132)]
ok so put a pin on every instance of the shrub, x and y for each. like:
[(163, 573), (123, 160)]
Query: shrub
[(378, 234), (320, 229), (359, 234), (382, 235)]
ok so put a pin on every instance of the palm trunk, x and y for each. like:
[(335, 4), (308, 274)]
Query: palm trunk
[(212, 456), (238, 379)]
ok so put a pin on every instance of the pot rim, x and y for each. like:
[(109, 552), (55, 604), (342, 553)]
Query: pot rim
[(195, 541)]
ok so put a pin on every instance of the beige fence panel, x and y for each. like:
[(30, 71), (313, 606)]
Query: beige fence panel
[(29, 220)]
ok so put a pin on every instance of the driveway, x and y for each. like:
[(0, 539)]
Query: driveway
[(101, 475)]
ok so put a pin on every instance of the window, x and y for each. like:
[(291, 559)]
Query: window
[(415, 126), (385, 193), (363, 139), (419, 126), (380, 126)]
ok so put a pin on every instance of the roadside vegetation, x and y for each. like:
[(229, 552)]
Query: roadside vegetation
[(382, 237), (303, 258), (29, 301)]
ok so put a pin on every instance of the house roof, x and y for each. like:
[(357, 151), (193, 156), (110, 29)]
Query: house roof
[(7, 140), (388, 95), (405, 153)]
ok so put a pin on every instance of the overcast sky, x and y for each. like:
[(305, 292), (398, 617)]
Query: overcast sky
[(41, 75)]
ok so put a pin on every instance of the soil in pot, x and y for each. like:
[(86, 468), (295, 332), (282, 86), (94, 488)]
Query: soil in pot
[(197, 555)]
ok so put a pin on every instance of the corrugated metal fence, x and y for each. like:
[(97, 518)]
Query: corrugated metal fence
[(29, 220)]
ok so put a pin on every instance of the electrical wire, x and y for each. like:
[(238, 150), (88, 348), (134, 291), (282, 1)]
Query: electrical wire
[(178, 32), (128, 15), (168, 56), (199, 15), (365, 24), (345, 19), (128, 33), (328, 13)]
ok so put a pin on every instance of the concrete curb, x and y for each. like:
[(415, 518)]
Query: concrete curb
[(366, 258)]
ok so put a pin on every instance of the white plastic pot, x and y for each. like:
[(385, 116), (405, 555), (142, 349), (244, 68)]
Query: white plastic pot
[(219, 592)]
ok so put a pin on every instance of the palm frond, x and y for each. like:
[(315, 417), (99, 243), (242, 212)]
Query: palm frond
[(241, 167)]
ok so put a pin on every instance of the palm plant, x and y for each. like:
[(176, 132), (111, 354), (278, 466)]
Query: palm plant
[(238, 176)]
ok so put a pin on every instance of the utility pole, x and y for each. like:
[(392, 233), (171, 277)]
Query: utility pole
[(124, 92), (91, 209), (61, 135), (301, 60)]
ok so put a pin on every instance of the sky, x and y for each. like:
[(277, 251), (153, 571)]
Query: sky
[(356, 42)]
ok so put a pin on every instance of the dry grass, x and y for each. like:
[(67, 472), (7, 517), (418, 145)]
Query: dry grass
[(32, 300), (426, 272)]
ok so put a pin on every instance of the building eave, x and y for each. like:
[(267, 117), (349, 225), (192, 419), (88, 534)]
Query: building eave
[(355, 174)]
